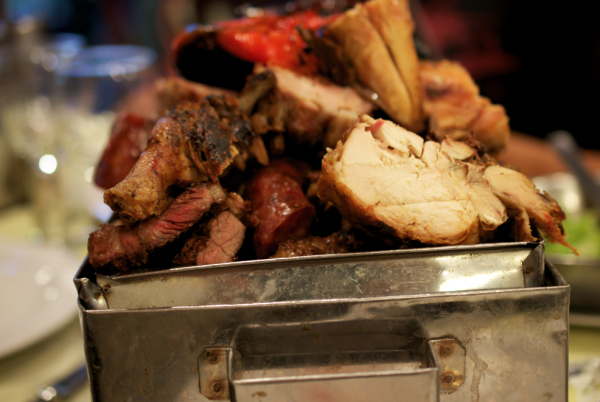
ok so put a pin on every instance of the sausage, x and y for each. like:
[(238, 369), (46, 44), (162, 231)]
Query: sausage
[(279, 206)]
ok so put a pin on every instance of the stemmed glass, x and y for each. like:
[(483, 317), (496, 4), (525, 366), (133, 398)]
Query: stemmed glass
[(28, 118)]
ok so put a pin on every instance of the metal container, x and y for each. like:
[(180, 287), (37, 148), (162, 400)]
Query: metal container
[(462, 323)]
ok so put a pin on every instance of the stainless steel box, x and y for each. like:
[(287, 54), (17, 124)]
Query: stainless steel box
[(463, 323)]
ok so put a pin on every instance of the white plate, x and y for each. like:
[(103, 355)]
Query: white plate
[(37, 295)]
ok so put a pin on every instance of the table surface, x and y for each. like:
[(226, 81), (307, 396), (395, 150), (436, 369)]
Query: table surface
[(22, 373)]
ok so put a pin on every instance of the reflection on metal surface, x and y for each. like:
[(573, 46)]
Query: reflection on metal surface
[(380, 274), (355, 347)]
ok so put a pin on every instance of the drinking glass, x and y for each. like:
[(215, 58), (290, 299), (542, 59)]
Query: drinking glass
[(94, 85), (28, 118)]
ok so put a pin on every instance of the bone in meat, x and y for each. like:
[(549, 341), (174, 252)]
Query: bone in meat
[(192, 144)]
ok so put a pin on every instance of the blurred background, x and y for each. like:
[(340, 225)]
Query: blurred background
[(540, 61)]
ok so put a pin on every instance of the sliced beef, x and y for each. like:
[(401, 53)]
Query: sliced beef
[(223, 239), (122, 247), (280, 209)]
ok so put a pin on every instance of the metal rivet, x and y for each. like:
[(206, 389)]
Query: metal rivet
[(217, 388), (447, 378), (213, 358), (445, 351), (528, 270)]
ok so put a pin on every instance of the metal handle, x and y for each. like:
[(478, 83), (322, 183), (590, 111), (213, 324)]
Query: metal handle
[(443, 371)]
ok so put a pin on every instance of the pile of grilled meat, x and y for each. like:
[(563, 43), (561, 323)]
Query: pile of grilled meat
[(313, 154)]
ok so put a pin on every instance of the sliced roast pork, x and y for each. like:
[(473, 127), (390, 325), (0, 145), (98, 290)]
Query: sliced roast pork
[(308, 109), (455, 108), (391, 183)]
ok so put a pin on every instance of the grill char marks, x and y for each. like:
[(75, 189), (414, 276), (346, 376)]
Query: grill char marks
[(194, 143)]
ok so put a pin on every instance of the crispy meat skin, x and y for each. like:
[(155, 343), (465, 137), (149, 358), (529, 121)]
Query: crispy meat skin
[(394, 22), (194, 143), (376, 39), (455, 108), (310, 110), (124, 247), (166, 162), (389, 182), (279, 206)]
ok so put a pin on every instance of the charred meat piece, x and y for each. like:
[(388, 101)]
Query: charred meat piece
[(310, 110), (376, 40), (166, 162), (386, 180), (314, 245), (455, 108), (194, 143), (280, 209), (127, 141), (122, 247)]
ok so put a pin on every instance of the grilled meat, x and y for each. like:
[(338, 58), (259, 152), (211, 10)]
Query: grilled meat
[(455, 108), (221, 244), (376, 40), (173, 90), (122, 247), (280, 209), (127, 141), (194, 143), (314, 245), (524, 202), (218, 237), (391, 183), (310, 110)]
